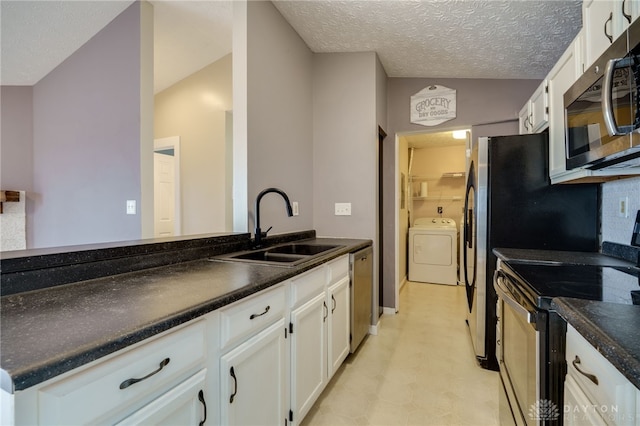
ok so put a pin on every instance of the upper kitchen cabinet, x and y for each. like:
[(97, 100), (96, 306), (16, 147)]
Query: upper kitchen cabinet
[(603, 21), (534, 115), (560, 78)]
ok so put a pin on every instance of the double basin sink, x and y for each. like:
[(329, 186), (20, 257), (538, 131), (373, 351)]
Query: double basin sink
[(283, 255)]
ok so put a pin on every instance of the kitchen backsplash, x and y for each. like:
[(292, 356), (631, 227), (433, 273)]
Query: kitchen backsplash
[(614, 227)]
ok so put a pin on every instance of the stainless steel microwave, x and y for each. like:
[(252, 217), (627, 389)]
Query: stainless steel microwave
[(602, 110)]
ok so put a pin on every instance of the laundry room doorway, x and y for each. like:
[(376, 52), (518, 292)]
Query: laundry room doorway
[(431, 174)]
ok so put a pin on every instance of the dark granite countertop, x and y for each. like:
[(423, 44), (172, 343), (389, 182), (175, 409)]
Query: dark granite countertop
[(611, 328), (47, 332)]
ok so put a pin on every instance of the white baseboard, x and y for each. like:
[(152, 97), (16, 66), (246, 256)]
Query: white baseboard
[(388, 311), (373, 329)]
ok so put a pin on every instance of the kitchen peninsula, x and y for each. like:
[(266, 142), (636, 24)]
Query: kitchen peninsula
[(102, 302)]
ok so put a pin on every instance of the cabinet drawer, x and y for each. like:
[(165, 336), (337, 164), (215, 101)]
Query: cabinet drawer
[(184, 404), (251, 315), (338, 268), (613, 395), (100, 392), (304, 287)]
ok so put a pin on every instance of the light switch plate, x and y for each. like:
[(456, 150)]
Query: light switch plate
[(131, 206), (343, 209), (294, 207)]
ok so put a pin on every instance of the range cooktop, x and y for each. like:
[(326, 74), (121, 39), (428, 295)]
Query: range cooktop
[(614, 284)]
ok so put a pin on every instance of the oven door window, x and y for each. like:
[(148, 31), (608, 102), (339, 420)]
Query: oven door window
[(519, 359)]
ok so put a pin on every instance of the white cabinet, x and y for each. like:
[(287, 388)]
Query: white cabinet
[(308, 354), (183, 405), (160, 378), (253, 374), (319, 331), (595, 391), (253, 384), (339, 331), (560, 78), (603, 21), (534, 115), (524, 118)]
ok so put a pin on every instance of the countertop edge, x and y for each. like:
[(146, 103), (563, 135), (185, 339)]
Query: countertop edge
[(625, 361)]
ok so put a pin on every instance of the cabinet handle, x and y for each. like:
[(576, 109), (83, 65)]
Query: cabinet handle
[(609, 36), (326, 311), (627, 16), (204, 405), (259, 315), (589, 376), (130, 382), (333, 300), (235, 385)]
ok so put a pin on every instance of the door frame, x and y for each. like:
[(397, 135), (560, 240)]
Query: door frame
[(173, 142)]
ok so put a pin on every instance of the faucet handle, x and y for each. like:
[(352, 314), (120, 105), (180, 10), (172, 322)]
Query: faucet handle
[(265, 232)]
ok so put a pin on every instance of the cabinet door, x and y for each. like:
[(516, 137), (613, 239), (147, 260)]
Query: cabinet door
[(253, 380), (539, 108), (308, 354), (560, 78), (523, 119), (339, 331), (578, 409), (599, 23), (183, 405)]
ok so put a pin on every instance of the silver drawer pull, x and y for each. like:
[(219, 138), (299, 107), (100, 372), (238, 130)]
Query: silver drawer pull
[(591, 377), (259, 315), (130, 382)]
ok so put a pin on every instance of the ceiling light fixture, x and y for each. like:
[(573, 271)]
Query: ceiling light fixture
[(459, 134)]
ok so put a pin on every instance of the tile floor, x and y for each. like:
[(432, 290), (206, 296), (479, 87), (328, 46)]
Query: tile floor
[(419, 369)]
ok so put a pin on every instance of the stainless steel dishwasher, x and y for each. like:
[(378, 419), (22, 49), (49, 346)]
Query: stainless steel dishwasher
[(361, 273)]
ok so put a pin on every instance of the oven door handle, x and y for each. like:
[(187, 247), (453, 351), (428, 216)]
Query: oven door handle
[(505, 295)]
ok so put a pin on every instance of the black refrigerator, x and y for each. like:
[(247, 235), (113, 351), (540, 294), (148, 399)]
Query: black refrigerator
[(510, 203)]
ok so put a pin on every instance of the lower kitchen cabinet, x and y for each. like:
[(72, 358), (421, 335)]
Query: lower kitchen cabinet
[(308, 354), (183, 405), (158, 380), (319, 331), (339, 330), (253, 380), (595, 392)]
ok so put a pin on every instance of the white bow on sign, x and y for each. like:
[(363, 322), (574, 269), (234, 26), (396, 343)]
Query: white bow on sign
[(433, 105)]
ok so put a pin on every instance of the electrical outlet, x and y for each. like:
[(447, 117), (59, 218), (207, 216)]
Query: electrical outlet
[(623, 207), (294, 207), (343, 209)]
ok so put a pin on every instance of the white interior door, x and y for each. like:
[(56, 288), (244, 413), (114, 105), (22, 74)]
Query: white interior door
[(167, 219), (164, 194)]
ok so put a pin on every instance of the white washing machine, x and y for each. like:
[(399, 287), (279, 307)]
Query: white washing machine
[(433, 251)]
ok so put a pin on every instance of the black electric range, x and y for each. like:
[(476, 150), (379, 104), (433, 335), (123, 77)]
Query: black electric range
[(525, 289), (542, 282)]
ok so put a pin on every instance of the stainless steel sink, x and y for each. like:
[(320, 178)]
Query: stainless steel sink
[(282, 255)]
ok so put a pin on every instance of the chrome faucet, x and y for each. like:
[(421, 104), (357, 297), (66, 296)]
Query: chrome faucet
[(258, 231)]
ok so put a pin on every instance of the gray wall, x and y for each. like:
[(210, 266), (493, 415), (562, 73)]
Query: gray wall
[(186, 109), (478, 102), (279, 117), (346, 115), (16, 139), (86, 140)]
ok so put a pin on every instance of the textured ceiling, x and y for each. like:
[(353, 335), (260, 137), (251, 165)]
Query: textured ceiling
[(430, 38), (431, 140), (36, 36), (442, 38)]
